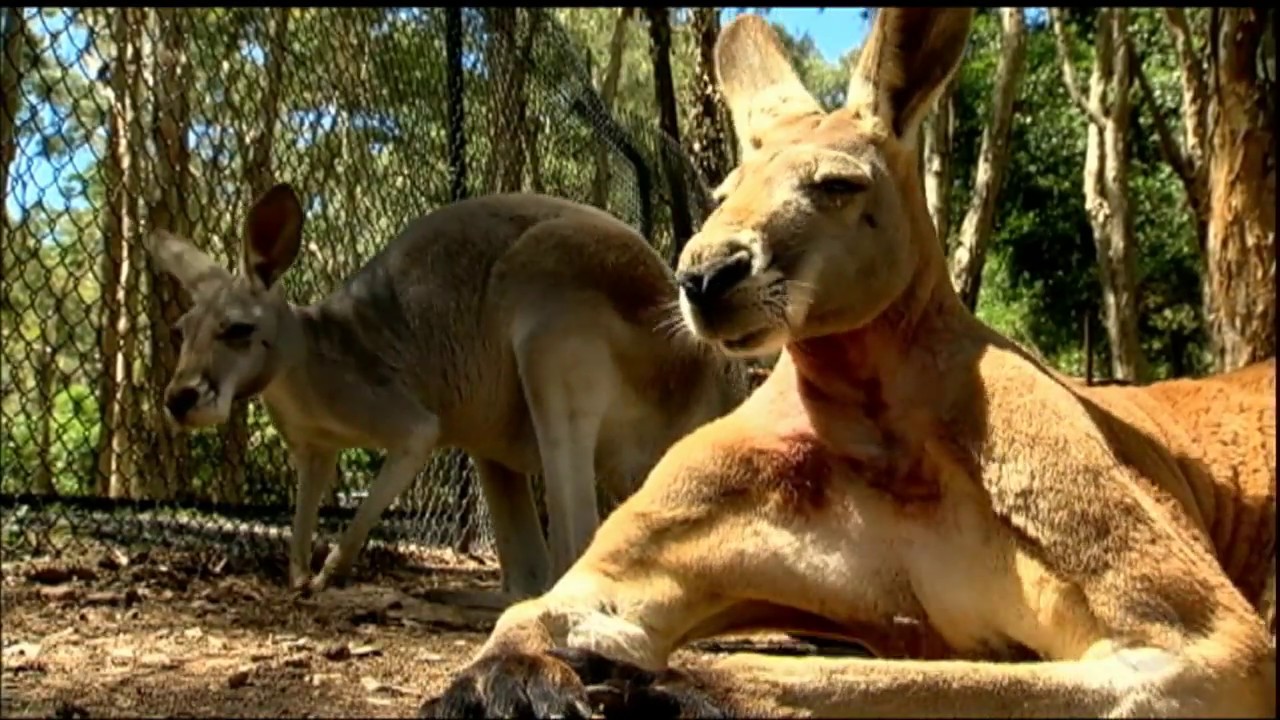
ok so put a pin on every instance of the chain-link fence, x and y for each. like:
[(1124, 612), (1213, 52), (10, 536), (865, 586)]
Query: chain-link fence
[(119, 120)]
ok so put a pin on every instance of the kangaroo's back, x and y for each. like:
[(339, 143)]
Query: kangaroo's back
[(1210, 444), (438, 306)]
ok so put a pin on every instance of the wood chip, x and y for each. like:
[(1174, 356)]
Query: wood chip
[(63, 634), (104, 597), (157, 660), (318, 679), (370, 685), (365, 650), (60, 593), (21, 650)]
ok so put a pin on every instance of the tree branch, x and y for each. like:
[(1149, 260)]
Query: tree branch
[(1169, 147), (1092, 112), (1194, 91)]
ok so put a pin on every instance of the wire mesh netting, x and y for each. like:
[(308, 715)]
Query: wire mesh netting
[(120, 120)]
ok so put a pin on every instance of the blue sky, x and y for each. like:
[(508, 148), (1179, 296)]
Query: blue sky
[(835, 31)]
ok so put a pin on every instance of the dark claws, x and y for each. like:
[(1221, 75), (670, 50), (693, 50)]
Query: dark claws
[(516, 686), (619, 690), (568, 683)]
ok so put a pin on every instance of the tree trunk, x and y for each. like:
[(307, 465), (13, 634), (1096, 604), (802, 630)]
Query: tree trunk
[(13, 67), (258, 172), (46, 388), (608, 93), (668, 120), (936, 150), (1240, 259), (170, 120), (533, 181), (116, 444), (1188, 160), (993, 156), (508, 55), (1119, 253), (1225, 158), (707, 137), (1106, 182)]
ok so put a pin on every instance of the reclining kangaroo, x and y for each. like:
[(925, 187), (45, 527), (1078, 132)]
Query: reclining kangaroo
[(903, 461), (524, 329)]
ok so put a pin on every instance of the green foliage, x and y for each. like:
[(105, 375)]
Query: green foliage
[(1040, 281), (73, 426)]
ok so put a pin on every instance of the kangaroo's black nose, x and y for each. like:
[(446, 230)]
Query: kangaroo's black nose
[(179, 402), (713, 280)]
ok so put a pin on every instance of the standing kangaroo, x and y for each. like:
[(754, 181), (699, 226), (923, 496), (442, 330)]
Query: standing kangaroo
[(529, 331)]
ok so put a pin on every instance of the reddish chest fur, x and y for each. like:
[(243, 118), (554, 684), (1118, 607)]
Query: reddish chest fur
[(842, 427)]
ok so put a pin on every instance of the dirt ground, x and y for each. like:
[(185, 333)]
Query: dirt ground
[(167, 634), (215, 633)]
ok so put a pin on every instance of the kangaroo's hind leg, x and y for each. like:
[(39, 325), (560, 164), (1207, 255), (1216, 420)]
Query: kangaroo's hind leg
[(569, 380), (522, 550)]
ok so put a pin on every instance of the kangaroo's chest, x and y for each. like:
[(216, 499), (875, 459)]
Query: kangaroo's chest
[(301, 425)]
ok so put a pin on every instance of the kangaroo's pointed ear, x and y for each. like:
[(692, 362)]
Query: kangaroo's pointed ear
[(908, 57), (759, 85), (273, 235), (195, 270)]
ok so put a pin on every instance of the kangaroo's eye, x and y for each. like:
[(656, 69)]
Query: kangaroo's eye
[(237, 332), (839, 187)]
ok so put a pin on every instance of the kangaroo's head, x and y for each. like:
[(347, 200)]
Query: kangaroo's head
[(823, 225), (231, 337)]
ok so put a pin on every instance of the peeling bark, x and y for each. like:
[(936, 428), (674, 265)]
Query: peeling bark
[(1240, 256), (1225, 158)]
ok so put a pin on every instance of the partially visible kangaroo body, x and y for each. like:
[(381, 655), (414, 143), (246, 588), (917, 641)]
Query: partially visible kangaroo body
[(529, 331)]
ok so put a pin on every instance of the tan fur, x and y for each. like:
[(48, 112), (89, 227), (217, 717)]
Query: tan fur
[(537, 334), (903, 460)]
